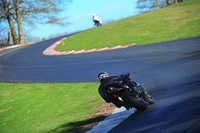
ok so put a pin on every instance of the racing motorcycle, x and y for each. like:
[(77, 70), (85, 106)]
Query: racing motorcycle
[(138, 99)]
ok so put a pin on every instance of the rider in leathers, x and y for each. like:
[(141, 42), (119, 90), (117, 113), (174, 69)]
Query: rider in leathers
[(97, 20), (108, 87)]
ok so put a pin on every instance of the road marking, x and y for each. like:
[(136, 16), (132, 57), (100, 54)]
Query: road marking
[(51, 49), (14, 46)]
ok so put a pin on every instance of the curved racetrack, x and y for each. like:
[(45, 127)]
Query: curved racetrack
[(169, 70)]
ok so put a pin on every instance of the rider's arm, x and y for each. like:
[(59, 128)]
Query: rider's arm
[(125, 75)]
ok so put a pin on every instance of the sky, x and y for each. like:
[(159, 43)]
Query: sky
[(79, 14)]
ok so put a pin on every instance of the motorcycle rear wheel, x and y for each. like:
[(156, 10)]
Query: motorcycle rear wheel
[(134, 101)]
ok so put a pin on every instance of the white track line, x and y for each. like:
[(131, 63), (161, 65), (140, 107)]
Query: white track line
[(119, 115), (14, 46)]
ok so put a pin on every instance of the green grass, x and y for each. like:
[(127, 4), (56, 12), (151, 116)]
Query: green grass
[(46, 107), (169, 23)]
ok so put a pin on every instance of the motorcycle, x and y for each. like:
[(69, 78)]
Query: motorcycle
[(138, 99), (97, 20)]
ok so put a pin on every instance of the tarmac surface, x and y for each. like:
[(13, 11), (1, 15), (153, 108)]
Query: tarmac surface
[(170, 71)]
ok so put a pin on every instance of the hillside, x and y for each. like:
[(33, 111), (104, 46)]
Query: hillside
[(169, 23)]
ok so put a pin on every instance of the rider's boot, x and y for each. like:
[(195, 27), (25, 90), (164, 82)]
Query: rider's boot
[(119, 104), (126, 106)]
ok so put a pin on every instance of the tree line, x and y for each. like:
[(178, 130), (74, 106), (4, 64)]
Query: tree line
[(15, 13), (155, 4)]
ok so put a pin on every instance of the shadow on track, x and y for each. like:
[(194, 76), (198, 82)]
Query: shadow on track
[(79, 126)]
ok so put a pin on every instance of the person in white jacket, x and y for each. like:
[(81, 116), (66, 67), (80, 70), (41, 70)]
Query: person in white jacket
[(97, 20)]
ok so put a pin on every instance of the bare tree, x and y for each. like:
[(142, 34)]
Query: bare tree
[(154, 4), (19, 20), (3, 36), (7, 14), (30, 11), (43, 11)]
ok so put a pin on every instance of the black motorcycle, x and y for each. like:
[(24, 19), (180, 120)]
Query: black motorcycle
[(138, 99)]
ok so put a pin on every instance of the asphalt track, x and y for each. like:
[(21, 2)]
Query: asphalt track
[(169, 70)]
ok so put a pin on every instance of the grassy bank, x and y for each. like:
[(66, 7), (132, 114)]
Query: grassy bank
[(46, 107), (169, 23)]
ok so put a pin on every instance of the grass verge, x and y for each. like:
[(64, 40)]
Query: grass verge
[(46, 107), (169, 23)]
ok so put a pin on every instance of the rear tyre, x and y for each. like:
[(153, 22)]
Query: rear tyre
[(133, 101)]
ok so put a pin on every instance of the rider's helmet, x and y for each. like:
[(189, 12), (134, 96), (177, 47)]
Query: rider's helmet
[(102, 76), (94, 15)]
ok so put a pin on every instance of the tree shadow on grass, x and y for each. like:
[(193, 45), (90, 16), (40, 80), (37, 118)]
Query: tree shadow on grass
[(79, 126)]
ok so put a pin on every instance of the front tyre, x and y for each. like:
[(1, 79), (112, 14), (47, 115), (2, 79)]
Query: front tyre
[(133, 101), (149, 99)]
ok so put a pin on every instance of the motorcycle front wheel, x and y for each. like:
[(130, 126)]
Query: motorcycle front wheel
[(133, 101), (149, 99)]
